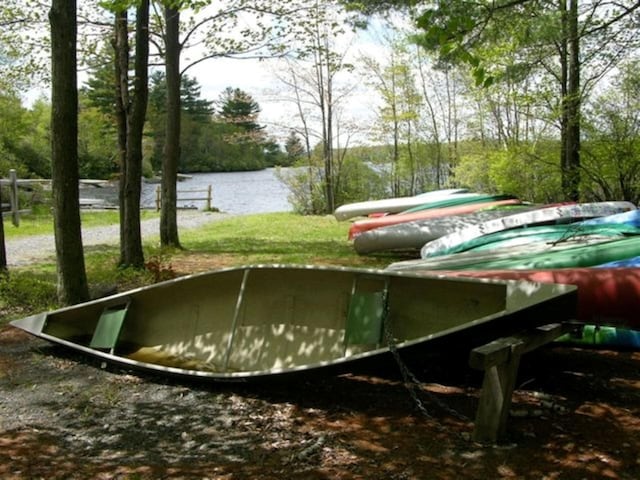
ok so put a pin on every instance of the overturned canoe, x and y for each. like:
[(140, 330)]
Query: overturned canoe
[(395, 205), (261, 321), (575, 252), (556, 213), (545, 234), (360, 226), (413, 235)]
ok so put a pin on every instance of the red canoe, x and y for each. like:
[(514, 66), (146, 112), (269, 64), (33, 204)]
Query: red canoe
[(364, 225), (606, 296)]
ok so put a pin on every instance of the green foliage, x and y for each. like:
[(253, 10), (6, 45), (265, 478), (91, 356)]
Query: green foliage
[(28, 291), (190, 96), (24, 138), (97, 144), (294, 149), (306, 189), (24, 45), (237, 107), (529, 172), (231, 142), (99, 90), (611, 159), (355, 181)]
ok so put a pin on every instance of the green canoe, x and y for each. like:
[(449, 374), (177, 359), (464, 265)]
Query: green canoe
[(573, 253)]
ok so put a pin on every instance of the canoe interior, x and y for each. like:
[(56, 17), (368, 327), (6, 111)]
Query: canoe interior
[(263, 319)]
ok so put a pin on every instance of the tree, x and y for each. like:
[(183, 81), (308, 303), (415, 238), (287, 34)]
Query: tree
[(72, 279), (313, 75), (190, 96), (131, 109), (168, 211), (440, 92), (398, 115), (611, 164), (294, 148), (239, 108), (196, 116), (559, 38), (22, 40), (215, 32)]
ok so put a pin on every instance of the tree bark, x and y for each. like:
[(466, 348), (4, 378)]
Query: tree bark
[(572, 184), (133, 252), (168, 213), (72, 279), (130, 114), (3, 250), (570, 93), (121, 49)]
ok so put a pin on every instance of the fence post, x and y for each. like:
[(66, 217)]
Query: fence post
[(209, 198), (3, 251), (158, 198), (13, 197)]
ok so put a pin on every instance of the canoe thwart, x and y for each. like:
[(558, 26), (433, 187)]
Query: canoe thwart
[(500, 360)]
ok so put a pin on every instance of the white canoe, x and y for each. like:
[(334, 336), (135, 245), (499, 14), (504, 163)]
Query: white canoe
[(572, 212), (393, 205)]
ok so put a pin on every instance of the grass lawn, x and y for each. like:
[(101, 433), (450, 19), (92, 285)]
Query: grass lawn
[(240, 240)]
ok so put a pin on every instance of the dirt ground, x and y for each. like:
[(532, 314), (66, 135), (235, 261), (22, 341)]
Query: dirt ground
[(576, 415)]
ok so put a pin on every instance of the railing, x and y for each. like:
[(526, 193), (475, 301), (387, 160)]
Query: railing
[(13, 183), (206, 198)]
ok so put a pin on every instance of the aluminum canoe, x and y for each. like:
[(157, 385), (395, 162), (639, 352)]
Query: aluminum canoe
[(268, 321)]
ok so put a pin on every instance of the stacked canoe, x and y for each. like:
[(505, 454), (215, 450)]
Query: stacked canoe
[(595, 246)]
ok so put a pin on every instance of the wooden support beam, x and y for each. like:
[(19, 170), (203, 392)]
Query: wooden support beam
[(500, 360)]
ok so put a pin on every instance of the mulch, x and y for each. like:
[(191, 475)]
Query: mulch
[(576, 415)]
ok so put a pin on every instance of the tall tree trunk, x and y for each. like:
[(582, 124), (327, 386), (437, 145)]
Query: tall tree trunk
[(570, 93), (121, 49), (329, 154), (133, 252), (168, 214), (3, 250), (72, 278), (573, 127)]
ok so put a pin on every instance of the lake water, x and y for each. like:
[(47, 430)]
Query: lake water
[(232, 192)]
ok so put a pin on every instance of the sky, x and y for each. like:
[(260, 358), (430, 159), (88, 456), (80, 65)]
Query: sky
[(257, 78)]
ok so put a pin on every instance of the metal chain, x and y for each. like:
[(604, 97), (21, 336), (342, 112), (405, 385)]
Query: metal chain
[(410, 381)]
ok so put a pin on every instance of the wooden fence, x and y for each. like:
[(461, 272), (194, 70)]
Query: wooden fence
[(205, 195), (13, 182), (13, 209)]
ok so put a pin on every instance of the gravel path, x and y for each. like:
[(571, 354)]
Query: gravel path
[(25, 250)]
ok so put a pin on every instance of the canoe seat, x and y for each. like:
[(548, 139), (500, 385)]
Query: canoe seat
[(365, 318), (107, 331)]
